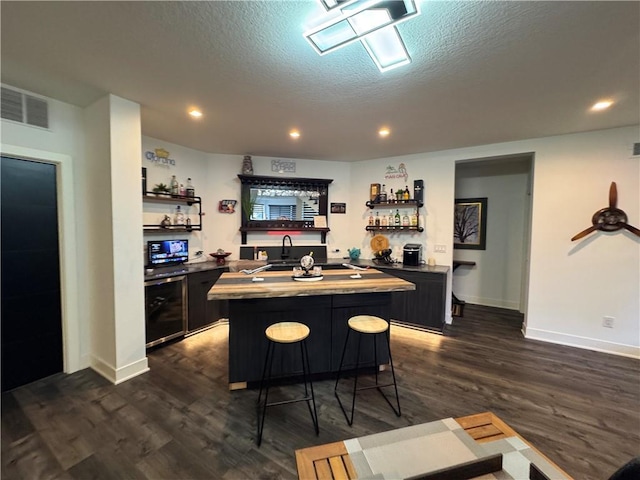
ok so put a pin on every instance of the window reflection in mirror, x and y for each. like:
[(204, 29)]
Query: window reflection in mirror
[(284, 204)]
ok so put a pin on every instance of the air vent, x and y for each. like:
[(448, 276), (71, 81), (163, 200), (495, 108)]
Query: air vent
[(636, 149), (24, 108)]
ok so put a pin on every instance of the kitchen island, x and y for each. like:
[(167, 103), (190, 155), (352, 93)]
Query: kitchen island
[(324, 306)]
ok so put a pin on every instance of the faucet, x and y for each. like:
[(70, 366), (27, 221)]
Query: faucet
[(285, 252)]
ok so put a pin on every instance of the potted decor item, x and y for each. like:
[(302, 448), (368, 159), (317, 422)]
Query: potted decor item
[(247, 166), (161, 188)]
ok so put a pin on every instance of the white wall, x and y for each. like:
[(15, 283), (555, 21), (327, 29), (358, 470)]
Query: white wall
[(215, 178), (115, 275), (496, 279)]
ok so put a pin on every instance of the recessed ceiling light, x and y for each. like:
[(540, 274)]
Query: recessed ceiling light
[(294, 134), (195, 113), (602, 105), (384, 132)]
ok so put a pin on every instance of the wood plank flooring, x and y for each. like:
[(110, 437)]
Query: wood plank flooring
[(179, 421)]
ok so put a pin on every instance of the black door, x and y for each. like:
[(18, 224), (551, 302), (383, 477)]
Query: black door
[(31, 311)]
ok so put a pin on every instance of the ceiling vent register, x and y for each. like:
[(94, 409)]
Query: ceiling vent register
[(23, 108)]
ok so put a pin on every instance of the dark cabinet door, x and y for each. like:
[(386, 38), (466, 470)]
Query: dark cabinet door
[(424, 306), (201, 311)]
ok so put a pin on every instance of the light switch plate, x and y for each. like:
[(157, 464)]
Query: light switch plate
[(440, 248)]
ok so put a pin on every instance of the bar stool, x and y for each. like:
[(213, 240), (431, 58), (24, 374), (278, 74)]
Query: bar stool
[(373, 326), (286, 333)]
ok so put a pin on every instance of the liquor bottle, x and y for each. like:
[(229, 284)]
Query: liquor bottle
[(405, 220), (383, 194), (397, 218), (414, 219), (384, 221), (175, 186), (191, 192), (390, 220), (377, 220), (182, 190), (371, 220), (406, 192), (392, 197), (179, 218)]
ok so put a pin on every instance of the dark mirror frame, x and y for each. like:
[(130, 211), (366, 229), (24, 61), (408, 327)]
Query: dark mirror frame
[(321, 185)]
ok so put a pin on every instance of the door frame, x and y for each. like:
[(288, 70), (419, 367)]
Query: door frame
[(67, 248)]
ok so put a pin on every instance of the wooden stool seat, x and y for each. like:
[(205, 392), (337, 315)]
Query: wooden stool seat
[(368, 324), (287, 332)]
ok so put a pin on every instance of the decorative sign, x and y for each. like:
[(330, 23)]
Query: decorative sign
[(320, 221), (160, 157), (393, 172), (338, 208), (282, 166), (227, 206)]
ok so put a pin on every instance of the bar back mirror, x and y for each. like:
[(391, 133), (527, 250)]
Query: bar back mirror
[(281, 203)]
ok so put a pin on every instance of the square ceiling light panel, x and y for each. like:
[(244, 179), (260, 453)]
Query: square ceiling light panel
[(356, 20)]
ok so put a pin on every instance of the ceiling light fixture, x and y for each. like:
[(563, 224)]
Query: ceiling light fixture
[(295, 134), (384, 132), (195, 113), (601, 105), (372, 22)]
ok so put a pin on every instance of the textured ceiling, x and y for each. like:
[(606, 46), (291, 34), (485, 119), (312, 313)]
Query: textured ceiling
[(481, 72)]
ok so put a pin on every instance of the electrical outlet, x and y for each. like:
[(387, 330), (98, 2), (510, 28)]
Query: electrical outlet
[(440, 248), (608, 322)]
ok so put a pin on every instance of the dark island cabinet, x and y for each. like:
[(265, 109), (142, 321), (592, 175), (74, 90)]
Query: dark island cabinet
[(347, 306), (423, 307), (202, 312), (248, 344)]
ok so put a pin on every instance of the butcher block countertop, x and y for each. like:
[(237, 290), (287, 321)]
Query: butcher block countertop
[(236, 286)]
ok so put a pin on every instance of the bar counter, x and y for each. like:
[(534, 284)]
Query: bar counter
[(324, 306), (236, 286)]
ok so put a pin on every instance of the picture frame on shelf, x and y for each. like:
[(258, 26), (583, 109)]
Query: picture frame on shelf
[(470, 223)]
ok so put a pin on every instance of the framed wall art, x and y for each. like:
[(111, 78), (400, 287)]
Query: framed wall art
[(470, 223)]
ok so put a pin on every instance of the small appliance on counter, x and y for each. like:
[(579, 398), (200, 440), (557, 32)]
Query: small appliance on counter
[(412, 254)]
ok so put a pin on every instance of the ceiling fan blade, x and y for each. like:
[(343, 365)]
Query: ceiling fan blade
[(613, 195), (584, 233), (633, 230)]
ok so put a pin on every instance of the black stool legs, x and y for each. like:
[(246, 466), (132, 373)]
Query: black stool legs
[(310, 399), (377, 386)]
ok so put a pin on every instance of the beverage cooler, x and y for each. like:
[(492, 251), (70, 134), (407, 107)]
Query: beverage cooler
[(165, 309)]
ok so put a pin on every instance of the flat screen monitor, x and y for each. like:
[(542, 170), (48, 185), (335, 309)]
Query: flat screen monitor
[(163, 253)]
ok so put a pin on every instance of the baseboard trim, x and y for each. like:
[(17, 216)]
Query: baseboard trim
[(122, 374), (490, 302), (583, 342)]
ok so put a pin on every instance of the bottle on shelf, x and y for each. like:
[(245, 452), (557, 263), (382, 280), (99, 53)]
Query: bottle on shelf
[(405, 220), (371, 220), (384, 221), (191, 192), (390, 219), (179, 218), (175, 186), (406, 193), (383, 194), (414, 219), (392, 197), (182, 191), (397, 218), (377, 220)]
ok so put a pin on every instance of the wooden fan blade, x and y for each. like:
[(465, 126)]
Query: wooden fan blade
[(584, 233), (613, 195), (633, 230)]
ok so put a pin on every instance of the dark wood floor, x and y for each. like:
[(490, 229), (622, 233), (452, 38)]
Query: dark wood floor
[(580, 408)]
